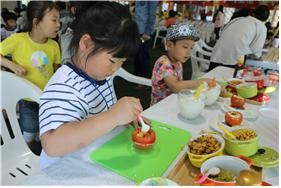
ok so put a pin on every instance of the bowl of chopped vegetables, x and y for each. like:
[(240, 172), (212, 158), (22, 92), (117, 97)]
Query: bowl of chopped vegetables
[(229, 166)]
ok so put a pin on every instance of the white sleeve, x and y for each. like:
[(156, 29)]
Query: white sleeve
[(259, 39)]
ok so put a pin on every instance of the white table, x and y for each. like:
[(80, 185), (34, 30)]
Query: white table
[(167, 111), (77, 169)]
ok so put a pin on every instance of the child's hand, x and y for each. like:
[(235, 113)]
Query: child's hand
[(126, 110), (136, 122), (18, 70)]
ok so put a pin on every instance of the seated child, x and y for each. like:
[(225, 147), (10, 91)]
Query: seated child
[(78, 104), (171, 20), (10, 27), (167, 73), (35, 57)]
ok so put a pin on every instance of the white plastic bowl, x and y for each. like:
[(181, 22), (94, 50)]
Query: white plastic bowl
[(212, 95), (190, 107), (233, 164)]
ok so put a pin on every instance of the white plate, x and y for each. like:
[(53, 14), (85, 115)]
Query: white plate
[(158, 181), (250, 114), (269, 113), (220, 120)]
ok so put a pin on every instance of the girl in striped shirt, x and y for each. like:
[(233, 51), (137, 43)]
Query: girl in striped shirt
[(77, 105)]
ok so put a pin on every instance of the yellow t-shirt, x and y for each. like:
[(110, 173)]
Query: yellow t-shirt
[(37, 59)]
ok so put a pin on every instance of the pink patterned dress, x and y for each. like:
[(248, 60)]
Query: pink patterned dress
[(163, 68)]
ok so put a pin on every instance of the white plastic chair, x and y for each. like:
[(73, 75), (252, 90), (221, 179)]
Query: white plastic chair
[(157, 35), (130, 78), (202, 44), (198, 48), (18, 161), (203, 57), (196, 70)]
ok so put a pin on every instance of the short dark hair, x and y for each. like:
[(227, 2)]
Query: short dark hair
[(111, 28), (220, 8), (9, 16), (172, 13), (37, 9), (261, 12)]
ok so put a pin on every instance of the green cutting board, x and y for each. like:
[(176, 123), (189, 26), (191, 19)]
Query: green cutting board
[(120, 155)]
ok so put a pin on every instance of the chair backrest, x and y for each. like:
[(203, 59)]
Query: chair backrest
[(196, 66), (130, 78), (157, 35), (18, 161), (199, 49), (204, 57), (202, 44)]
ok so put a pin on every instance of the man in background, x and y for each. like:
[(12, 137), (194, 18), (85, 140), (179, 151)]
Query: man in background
[(145, 14), (241, 36)]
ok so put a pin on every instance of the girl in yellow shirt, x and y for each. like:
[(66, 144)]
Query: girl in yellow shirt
[(35, 57)]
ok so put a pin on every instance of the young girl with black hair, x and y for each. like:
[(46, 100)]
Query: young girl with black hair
[(77, 105), (35, 57)]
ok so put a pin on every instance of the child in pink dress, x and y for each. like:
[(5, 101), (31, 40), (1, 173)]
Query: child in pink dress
[(167, 72)]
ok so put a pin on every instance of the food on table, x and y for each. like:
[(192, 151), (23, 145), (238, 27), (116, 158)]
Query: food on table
[(234, 82), (247, 90), (143, 140), (225, 94), (260, 83), (233, 118), (204, 145), (231, 87), (258, 72), (237, 101), (212, 93), (244, 134), (212, 83), (263, 98), (224, 175)]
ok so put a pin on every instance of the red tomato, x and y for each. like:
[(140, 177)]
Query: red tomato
[(260, 84), (237, 101), (258, 72), (143, 140), (233, 118), (262, 98)]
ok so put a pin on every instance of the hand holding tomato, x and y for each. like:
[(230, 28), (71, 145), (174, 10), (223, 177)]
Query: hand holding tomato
[(237, 101), (233, 118)]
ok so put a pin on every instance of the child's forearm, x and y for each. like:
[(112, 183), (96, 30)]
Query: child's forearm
[(73, 136), (6, 63), (185, 84), (17, 69)]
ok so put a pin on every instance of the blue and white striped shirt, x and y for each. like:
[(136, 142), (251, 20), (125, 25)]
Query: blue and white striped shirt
[(70, 97)]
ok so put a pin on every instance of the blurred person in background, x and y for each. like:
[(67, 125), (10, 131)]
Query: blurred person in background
[(219, 21), (241, 36), (10, 26), (145, 15)]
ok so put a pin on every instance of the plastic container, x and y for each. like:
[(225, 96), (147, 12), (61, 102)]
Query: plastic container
[(237, 147), (233, 164), (197, 160), (189, 106), (247, 90)]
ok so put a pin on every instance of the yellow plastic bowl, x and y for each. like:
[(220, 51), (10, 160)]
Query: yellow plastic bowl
[(198, 160)]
